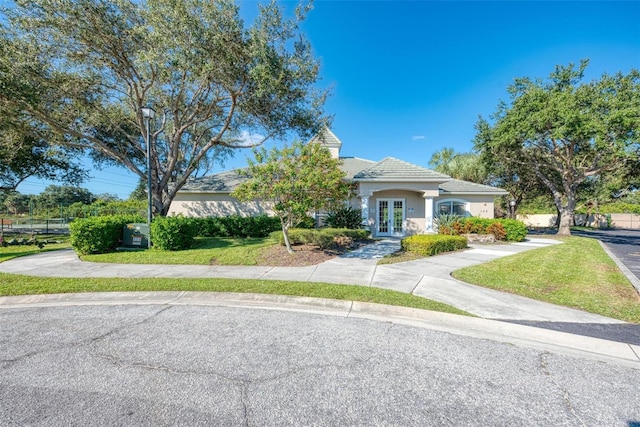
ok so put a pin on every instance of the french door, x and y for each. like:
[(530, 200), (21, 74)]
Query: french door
[(391, 216)]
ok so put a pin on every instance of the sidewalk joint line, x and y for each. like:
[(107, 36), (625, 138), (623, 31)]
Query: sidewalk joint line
[(373, 275), (175, 299), (634, 351), (416, 285)]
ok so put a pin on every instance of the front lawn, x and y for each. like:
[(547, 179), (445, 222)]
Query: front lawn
[(208, 250), (13, 284), (577, 273)]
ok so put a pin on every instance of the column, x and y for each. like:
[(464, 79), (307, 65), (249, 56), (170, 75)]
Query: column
[(365, 209), (428, 214)]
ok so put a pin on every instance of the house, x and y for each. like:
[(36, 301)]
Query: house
[(396, 198)]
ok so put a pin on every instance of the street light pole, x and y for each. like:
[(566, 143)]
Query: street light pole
[(148, 113)]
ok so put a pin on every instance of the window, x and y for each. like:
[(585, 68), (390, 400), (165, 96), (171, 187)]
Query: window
[(452, 207)]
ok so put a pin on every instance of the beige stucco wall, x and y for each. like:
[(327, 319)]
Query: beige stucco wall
[(597, 220), (216, 204), (414, 209), (478, 206)]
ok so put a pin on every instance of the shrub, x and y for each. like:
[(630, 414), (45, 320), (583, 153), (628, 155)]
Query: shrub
[(173, 233), (503, 229), (98, 235), (432, 244), (498, 231), (307, 222), (325, 238), (345, 218), (515, 231), (236, 226), (445, 223)]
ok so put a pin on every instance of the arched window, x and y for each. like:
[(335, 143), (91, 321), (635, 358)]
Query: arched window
[(452, 207)]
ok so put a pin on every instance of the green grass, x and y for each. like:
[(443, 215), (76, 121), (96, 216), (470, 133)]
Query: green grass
[(13, 284), (577, 273), (10, 252), (207, 249)]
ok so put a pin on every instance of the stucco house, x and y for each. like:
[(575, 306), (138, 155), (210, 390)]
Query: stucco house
[(397, 198)]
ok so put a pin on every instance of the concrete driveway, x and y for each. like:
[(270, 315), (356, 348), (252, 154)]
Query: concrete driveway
[(171, 359)]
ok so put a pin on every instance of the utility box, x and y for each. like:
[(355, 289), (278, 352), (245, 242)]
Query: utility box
[(136, 235)]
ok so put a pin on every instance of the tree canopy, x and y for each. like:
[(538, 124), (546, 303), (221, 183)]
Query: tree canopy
[(26, 150), (298, 180), (464, 166), (83, 69), (566, 131)]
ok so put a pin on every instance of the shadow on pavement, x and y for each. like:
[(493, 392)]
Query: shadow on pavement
[(624, 333)]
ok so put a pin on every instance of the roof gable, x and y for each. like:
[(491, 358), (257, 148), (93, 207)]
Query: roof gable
[(392, 169)]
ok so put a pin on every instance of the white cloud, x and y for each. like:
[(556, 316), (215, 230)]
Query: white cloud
[(249, 139), (418, 137)]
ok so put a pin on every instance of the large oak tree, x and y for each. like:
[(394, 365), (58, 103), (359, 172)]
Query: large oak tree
[(566, 131), (84, 69)]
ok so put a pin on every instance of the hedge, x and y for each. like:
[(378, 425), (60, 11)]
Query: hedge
[(325, 238), (236, 226), (432, 244), (503, 229), (100, 234), (173, 233)]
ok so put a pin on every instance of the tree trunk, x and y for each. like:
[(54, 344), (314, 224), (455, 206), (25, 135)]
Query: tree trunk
[(285, 234), (566, 220)]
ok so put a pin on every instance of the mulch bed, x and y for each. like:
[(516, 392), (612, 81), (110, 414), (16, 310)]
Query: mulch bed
[(304, 255)]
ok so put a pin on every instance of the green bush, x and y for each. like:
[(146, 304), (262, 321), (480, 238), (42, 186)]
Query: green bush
[(173, 233), (98, 235), (445, 223), (345, 218), (432, 244), (515, 231), (236, 226), (503, 229), (325, 238), (619, 207), (307, 222)]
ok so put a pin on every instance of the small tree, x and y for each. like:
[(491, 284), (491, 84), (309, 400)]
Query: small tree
[(298, 179)]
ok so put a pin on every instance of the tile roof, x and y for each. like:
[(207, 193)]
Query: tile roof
[(353, 165), (392, 169), (223, 182), (326, 137), (456, 186)]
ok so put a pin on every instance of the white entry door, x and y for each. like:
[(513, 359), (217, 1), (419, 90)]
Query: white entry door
[(391, 216)]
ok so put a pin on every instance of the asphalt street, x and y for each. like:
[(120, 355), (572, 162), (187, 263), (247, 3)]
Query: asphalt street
[(156, 365)]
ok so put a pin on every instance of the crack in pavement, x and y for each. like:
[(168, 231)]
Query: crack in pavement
[(6, 363), (566, 398)]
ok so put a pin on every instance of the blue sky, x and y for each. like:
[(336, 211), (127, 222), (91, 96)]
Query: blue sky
[(409, 78)]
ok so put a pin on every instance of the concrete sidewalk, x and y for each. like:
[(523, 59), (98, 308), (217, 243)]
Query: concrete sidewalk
[(428, 277)]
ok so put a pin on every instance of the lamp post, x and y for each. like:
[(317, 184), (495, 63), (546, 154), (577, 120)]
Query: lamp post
[(148, 113), (512, 205)]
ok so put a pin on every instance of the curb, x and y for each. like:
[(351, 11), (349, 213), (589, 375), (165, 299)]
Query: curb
[(625, 270), (519, 335)]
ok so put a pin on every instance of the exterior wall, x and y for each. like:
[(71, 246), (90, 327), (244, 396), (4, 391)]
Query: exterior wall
[(414, 222), (478, 206), (597, 220), (216, 204)]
